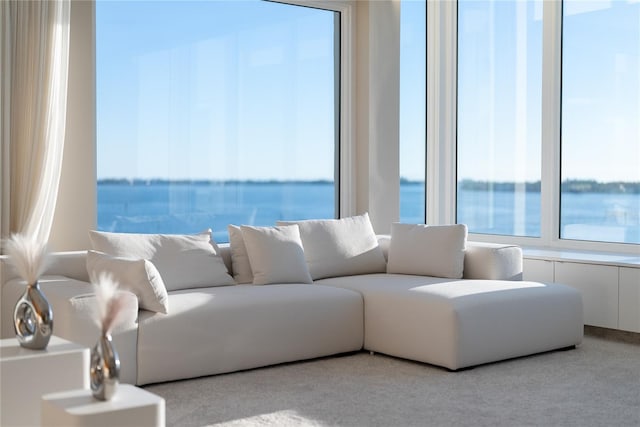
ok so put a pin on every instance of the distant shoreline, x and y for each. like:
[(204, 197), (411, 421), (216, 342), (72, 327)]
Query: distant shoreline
[(570, 186), (140, 181)]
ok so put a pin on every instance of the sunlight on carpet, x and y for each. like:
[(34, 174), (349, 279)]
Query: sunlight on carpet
[(278, 418)]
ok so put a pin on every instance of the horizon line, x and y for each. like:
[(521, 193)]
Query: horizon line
[(403, 180)]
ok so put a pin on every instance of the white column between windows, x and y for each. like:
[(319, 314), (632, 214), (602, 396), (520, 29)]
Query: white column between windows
[(441, 112)]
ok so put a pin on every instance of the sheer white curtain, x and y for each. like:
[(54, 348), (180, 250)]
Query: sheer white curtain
[(35, 61)]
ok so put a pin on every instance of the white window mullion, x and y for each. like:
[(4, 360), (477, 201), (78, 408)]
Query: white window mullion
[(347, 160), (551, 114)]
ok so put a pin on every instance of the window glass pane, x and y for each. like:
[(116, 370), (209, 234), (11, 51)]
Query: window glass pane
[(600, 189), (215, 112), (499, 98), (413, 95)]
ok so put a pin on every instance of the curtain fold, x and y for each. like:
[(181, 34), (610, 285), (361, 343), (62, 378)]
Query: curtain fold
[(35, 55), (5, 108)]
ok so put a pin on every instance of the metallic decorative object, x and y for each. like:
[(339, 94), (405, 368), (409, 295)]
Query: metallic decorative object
[(33, 319), (32, 315), (105, 368)]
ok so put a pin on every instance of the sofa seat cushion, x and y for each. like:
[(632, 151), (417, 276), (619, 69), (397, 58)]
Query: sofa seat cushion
[(225, 329), (461, 323)]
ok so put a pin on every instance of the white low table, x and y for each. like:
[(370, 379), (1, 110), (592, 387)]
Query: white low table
[(28, 374), (130, 406)]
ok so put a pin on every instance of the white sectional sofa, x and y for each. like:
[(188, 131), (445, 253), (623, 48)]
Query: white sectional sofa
[(487, 315)]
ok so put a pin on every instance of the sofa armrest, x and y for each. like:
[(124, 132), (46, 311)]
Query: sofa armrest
[(492, 261), (71, 264), (384, 240)]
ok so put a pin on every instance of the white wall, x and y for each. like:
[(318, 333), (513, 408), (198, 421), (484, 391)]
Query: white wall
[(376, 55), (76, 207)]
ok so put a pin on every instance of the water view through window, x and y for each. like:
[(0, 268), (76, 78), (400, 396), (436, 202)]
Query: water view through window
[(600, 197), (218, 112), (215, 112), (499, 117), (413, 109), (500, 56)]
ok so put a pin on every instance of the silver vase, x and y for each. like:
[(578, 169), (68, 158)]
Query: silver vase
[(105, 368), (33, 319)]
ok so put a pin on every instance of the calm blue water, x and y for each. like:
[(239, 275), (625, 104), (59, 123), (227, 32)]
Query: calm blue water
[(189, 208)]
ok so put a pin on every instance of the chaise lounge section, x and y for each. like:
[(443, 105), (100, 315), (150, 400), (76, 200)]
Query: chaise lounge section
[(462, 323)]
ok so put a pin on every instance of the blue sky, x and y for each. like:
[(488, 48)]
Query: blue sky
[(232, 90), (243, 90), (600, 92), (413, 89), (214, 90), (499, 114)]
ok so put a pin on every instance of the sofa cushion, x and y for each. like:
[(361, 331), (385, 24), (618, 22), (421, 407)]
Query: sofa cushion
[(184, 261), (275, 254), (427, 250), (225, 329), (340, 247), (239, 258), (139, 276), (492, 261)]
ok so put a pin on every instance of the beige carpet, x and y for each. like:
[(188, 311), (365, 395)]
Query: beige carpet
[(598, 384)]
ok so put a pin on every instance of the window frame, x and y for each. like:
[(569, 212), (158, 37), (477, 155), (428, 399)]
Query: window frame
[(345, 151), (515, 192)]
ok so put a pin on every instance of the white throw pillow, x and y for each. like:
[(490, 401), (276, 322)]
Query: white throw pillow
[(340, 247), (239, 258), (139, 276), (423, 250), (275, 254), (184, 261)]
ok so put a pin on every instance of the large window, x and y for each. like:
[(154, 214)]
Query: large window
[(600, 197), (499, 114), (549, 121), (413, 96), (210, 113)]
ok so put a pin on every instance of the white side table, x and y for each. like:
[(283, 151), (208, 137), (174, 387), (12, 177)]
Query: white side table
[(25, 375), (130, 406)]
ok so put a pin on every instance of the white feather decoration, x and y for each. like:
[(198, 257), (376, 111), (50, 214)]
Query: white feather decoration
[(109, 302), (29, 257)]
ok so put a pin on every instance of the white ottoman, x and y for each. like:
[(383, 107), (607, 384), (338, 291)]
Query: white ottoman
[(462, 323)]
